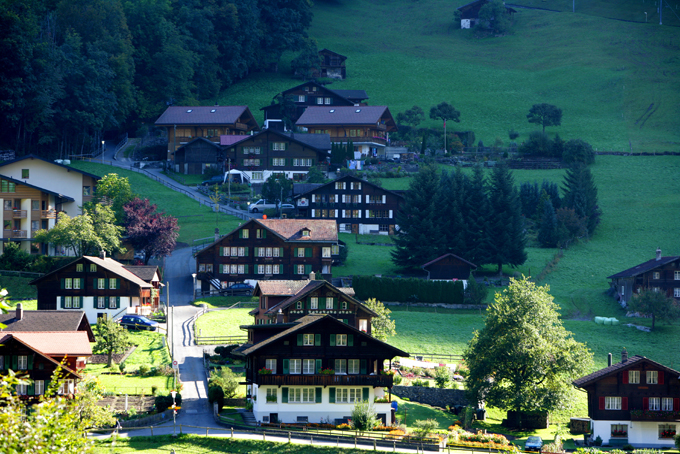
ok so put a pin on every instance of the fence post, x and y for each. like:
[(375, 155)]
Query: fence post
[(311, 440), (232, 432), (152, 431), (355, 441), (374, 447), (180, 429), (288, 437), (264, 438), (206, 431), (394, 446)]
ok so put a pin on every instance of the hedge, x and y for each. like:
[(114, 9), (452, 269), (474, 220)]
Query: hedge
[(403, 290)]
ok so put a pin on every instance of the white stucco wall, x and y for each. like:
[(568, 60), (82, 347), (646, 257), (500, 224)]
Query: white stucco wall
[(91, 311), (640, 433)]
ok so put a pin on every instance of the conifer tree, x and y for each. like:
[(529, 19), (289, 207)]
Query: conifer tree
[(547, 234), (450, 200), (580, 194), (477, 214)]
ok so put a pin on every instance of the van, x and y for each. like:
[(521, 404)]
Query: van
[(261, 205)]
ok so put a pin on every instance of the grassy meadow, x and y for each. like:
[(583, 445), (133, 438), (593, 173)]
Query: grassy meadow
[(223, 323)]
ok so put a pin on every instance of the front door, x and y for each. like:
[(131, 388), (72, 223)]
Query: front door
[(355, 228), (273, 418)]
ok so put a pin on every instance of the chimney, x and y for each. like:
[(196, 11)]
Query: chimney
[(217, 234), (20, 312), (102, 254), (658, 253), (624, 355), (312, 276), (279, 317), (609, 359)]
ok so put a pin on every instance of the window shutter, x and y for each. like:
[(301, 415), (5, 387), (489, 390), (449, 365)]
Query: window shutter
[(344, 185), (624, 403), (82, 283), (317, 341), (281, 252), (30, 362), (390, 214), (286, 366), (676, 404), (332, 340), (117, 283), (343, 213), (240, 233), (312, 212), (384, 198), (31, 389), (331, 395), (62, 283), (245, 269), (318, 395), (645, 403), (118, 303), (264, 233), (308, 252), (284, 395), (308, 269), (106, 283), (359, 211), (661, 377), (343, 198), (367, 215), (59, 305), (350, 340), (299, 340), (318, 365), (601, 403), (362, 366), (15, 362), (335, 303), (47, 386), (245, 251), (220, 250), (285, 145), (364, 394), (255, 251), (625, 377)]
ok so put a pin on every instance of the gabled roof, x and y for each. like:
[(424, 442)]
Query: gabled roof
[(327, 51), (202, 139), (106, 263), (644, 267), (205, 115), (321, 143), (301, 188), (352, 95), (310, 320), (56, 194), (231, 139), (32, 321), (346, 178), (280, 288), (632, 362), (4, 339), (346, 115), (448, 255), (57, 343), (357, 94), (144, 272), (310, 287), (68, 168)]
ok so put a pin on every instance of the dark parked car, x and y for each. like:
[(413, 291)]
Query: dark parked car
[(239, 289), (138, 322), (219, 179), (533, 444)]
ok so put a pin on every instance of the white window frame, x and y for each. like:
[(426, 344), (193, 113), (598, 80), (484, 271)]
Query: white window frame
[(353, 366), (241, 269), (295, 366), (245, 234), (112, 302), (348, 395), (633, 377), (22, 362), (329, 302), (308, 366), (112, 283), (666, 404), (68, 283), (341, 340), (308, 340), (300, 269), (22, 389), (676, 292), (79, 268), (652, 377), (101, 302), (39, 387), (314, 303), (676, 275), (101, 283), (68, 302), (340, 366), (654, 403), (612, 403), (93, 268), (665, 427), (301, 98), (656, 275), (272, 392), (260, 269), (325, 252), (270, 364)]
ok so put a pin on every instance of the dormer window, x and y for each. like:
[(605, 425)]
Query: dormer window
[(656, 275), (305, 233), (213, 110)]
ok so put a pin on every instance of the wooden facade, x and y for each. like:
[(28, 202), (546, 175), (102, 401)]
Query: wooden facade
[(332, 65), (449, 267), (356, 205), (268, 249), (661, 274), (197, 156)]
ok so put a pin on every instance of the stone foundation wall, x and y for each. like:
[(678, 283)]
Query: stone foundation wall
[(432, 396)]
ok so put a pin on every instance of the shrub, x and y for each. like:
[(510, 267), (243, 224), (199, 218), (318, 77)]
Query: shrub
[(423, 427), (165, 402), (144, 369), (344, 426), (215, 394), (577, 150), (628, 448), (364, 416), (598, 441), (442, 376), (423, 383), (225, 378), (122, 367), (417, 371), (397, 379), (114, 369)]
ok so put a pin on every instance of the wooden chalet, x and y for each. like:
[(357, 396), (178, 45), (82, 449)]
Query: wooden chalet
[(469, 13), (185, 123), (366, 127), (316, 368), (101, 287), (635, 401), (449, 267), (661, 274), (197, 156), (263, 249), (21, 320), (332, 65), (311, 94), (357, 205)]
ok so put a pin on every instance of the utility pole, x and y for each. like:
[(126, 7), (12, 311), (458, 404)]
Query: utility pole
[(171, 312), (660, 10)]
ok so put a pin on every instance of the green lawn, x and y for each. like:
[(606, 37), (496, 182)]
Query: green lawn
[(224, 301), (365, 259), (18, 288), (223, 323), (195, 221), (186, 180)]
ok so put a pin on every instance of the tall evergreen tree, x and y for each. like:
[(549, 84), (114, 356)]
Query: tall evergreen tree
[(506, 225), (477, 214), (418, 237), (450, 199), (547, 233), (580, 194)]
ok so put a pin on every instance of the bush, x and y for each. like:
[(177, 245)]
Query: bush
[(577, 150), (144, 369), (364, 416), (215, 394), (628, 448), (165, 402), (387, 289), (442, 376), (423, 383), (397, 379), (598, 441), (114, 369), (226, 379), (423, 427)]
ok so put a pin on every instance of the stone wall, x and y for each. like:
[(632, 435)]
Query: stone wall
[(432, 396), (149, 420)]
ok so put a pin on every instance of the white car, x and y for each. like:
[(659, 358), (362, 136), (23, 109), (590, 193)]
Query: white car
[(261, 205)]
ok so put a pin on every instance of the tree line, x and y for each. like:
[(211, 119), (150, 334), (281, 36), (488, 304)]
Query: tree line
[(71, 69)]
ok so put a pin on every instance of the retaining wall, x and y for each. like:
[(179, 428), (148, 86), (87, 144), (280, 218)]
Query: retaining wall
[(148, 420), (432, 396)]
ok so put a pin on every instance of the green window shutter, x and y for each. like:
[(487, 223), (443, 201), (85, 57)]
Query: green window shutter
[(254, 252), (47, 386), (332, 340), (299, 340), (220, 249), (30, 362), (284, 395), (117, 283), (245, 268), (271, 145), (82, 283), (362, 367), (264, 233), (318, 366), (281, 252), (350, 340), (62, 283), (245, 251), (312, 162), (31, 389), (106, 283), (118, 304), (286, 366), (317, 340), (308, 252), (240, 233), (364, 394), (285, 145), (335, 303), (331, 395), (94, 305), (308, 269), (15, 362), (318, 395)]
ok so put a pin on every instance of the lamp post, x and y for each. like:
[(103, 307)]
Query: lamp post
[(194, 276), (103, 148), (645, 16), (173, 393)]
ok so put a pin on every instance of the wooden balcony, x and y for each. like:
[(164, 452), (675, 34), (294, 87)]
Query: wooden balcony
[(325, 380), (48, 214), (381, 127), (19, 214), (652, 415), (241, 126), (15, 234)]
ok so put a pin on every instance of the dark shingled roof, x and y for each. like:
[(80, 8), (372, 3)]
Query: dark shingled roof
[(201, 115), (318, 141), (33, 321), (354, 95), (344, 115), (447, 255), (291, 229), (614, 368), (144, 272), (301, 188), (297, 194), (310, 287), (644, 267)]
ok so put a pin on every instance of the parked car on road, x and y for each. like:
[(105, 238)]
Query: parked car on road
[(240, 289), (533, 443), (219, 179), (287, 208), (138, 322), (261, 205)]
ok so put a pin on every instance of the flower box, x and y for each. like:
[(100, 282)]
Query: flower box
[(265, 371)]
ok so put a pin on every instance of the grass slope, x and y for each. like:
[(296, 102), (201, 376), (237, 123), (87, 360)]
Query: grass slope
[(604, 74), (223, 323)]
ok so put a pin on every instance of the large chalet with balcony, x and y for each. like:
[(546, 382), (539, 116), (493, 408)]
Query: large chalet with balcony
[(185, 123), (271, 151), (263, 249), (357, 205), (101, 287), (635, 401), (366, 127), (312, 365), (661, 274)]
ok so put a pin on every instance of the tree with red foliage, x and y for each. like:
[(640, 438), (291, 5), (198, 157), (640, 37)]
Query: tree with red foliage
[(152, 233)]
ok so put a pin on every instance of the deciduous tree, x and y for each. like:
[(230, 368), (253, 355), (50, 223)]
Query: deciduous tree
[(307, 63), (113, 191), (382, 326), (444, 111), (523, 359), (155, 234), (412, 117), (494, 15), (277, 187), (545, 115), (658, 304), (111, 338)]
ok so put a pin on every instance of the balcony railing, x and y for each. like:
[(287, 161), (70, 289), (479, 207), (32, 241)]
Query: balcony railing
[(17, 233), (48, 214), (19, 214), (241, 126), (654, 415), (325, 380)]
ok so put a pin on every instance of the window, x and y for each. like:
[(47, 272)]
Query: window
[(279, 146), (300, 269), (22, 390), (656, 275), (340, 366), (301, 252), (383, 228), (112, 302), (329, 302), (343, 306), (302, 162), (101, 283), (355, 185), (667, 404), (353, 366), (326, 252), (319, 100), (35, 205), (652, 377), (298, 305), (76, 302), (113, 283), (363, 325), (101, 302), (301, 395), (348, 395), (79, 268), (244, 233), (277, 252), (301, 98), (261, 251), (260, 269), (231, 251), (8, 205), (341, 340), (39, 387), (87, 191), (676, 275), (308, 366), (278, 161), (270, 364), (656, 289), (676, 292), (258, 176), (295, 366), (22, 362), (666, 430), (24, 173), (67, 302), (67, 387), (251, 162), (233, 269), (314, 302), (654, 403), (338, 185), (327, 100), (271, 394), (619, 430), (241, 269), (335, 249), (308, 339), (251, 150), (93, 268), (633, 376), (612, 403), (68, 283)]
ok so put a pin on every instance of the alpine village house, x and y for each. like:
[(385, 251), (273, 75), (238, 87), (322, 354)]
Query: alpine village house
[(262, 249), (357, 205), (635, 401), (310, 356), (661, 274)]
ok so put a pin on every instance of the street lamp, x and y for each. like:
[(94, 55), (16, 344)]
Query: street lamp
[(173, 393), (194, 276), (645, 16), (103, 145)]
